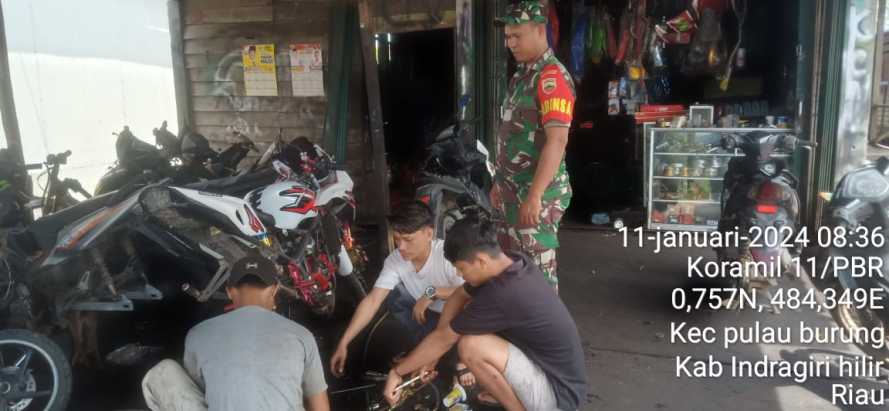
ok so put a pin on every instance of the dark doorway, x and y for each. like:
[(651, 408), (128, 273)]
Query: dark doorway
[(417, 82)]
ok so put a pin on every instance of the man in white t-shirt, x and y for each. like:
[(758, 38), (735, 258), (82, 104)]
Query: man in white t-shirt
[(414, 282)]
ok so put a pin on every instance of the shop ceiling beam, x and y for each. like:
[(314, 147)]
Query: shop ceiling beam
[(375, 117), (7, 101), (856, 85), (180, 73)]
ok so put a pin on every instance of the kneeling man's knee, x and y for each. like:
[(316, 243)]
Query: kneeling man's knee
[(470, 347)]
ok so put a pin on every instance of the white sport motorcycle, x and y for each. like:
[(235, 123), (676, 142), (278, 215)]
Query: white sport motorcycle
[(312, 209)]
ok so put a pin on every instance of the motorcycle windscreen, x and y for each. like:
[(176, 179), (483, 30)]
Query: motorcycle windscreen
[(88, 230)]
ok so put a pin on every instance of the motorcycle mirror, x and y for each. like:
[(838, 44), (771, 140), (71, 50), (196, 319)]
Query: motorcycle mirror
[(283, 169), (883, 165)]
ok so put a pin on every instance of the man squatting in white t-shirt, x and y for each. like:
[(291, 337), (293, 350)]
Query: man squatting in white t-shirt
[(414, 282)]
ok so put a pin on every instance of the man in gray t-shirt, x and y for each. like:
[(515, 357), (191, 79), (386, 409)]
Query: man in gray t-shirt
[(248, 359)]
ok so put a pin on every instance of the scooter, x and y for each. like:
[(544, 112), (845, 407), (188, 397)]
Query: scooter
[(857, 216), (455, 179), (760, 201)]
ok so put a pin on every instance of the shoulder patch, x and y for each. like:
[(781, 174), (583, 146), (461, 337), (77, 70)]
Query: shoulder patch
[(549, 85)]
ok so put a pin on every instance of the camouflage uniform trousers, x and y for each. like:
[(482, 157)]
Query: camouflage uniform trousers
[(540, 242)]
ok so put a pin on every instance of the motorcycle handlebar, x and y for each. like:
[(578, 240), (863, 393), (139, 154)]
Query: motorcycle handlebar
[(36, 166)]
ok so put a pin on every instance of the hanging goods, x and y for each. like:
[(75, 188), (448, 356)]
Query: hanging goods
[(706, 53), (552, 28), (739, 7), (677, 30), (596, 36), (578, 60)]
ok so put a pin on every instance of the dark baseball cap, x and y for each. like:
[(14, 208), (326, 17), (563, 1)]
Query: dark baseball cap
[(260, 267), (524, 11)]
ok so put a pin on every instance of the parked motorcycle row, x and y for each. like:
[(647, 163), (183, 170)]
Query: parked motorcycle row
[(165, 224), (760, 191)]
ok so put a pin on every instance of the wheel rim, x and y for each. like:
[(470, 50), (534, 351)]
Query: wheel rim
[(18, 386), (851, 319)]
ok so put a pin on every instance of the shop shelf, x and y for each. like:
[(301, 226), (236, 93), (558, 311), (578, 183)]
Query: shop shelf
[(686, 178), (687, 201)]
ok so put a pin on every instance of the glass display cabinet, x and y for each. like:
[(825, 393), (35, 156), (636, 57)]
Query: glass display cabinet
[(684, 172)]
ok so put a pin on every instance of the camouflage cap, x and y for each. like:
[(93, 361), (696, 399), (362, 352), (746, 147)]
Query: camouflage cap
[(524, 11)]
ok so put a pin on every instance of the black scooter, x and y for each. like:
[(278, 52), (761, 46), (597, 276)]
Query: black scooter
[(455, 179), (760, 201), (857, 217)]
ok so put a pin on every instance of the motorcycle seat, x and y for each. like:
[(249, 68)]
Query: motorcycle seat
[(42, 234), (235, 185)]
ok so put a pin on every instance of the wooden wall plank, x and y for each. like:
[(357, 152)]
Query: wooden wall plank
[(225, 45), (218, 88), (223, 135), (234, 72), (234, 89), (231, 15), (266, 119), (308, 105), (314, 24), (214, 60), (214, 33)]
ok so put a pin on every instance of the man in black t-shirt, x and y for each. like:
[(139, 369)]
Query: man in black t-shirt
[(512, 331)]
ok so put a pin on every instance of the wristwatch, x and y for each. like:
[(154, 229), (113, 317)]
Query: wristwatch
[(430, 292)]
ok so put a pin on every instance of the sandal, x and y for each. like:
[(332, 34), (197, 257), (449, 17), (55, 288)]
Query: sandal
[(461, 372)]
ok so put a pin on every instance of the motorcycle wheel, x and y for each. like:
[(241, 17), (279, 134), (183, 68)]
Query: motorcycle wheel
[(359, 285), (445, 220), (34, 372), (853, 320)]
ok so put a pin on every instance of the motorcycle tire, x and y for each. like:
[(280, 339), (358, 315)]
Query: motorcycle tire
[(445, 219), (359, 285), (56, 365), (853, 319)]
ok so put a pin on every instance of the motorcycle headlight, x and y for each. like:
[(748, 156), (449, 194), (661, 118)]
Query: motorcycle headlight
[(769, 168)]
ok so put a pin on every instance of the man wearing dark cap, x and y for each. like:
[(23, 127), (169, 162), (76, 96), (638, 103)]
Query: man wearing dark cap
[(250, 358), (531, 186)]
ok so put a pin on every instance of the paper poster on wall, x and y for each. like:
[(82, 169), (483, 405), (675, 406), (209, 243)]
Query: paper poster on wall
[(307, 70), (260, 77)]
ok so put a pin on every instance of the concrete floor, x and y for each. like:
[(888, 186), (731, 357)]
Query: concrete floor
[(620, 298)]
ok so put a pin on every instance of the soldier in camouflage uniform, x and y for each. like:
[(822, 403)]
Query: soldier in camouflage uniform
[(531, 187)]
